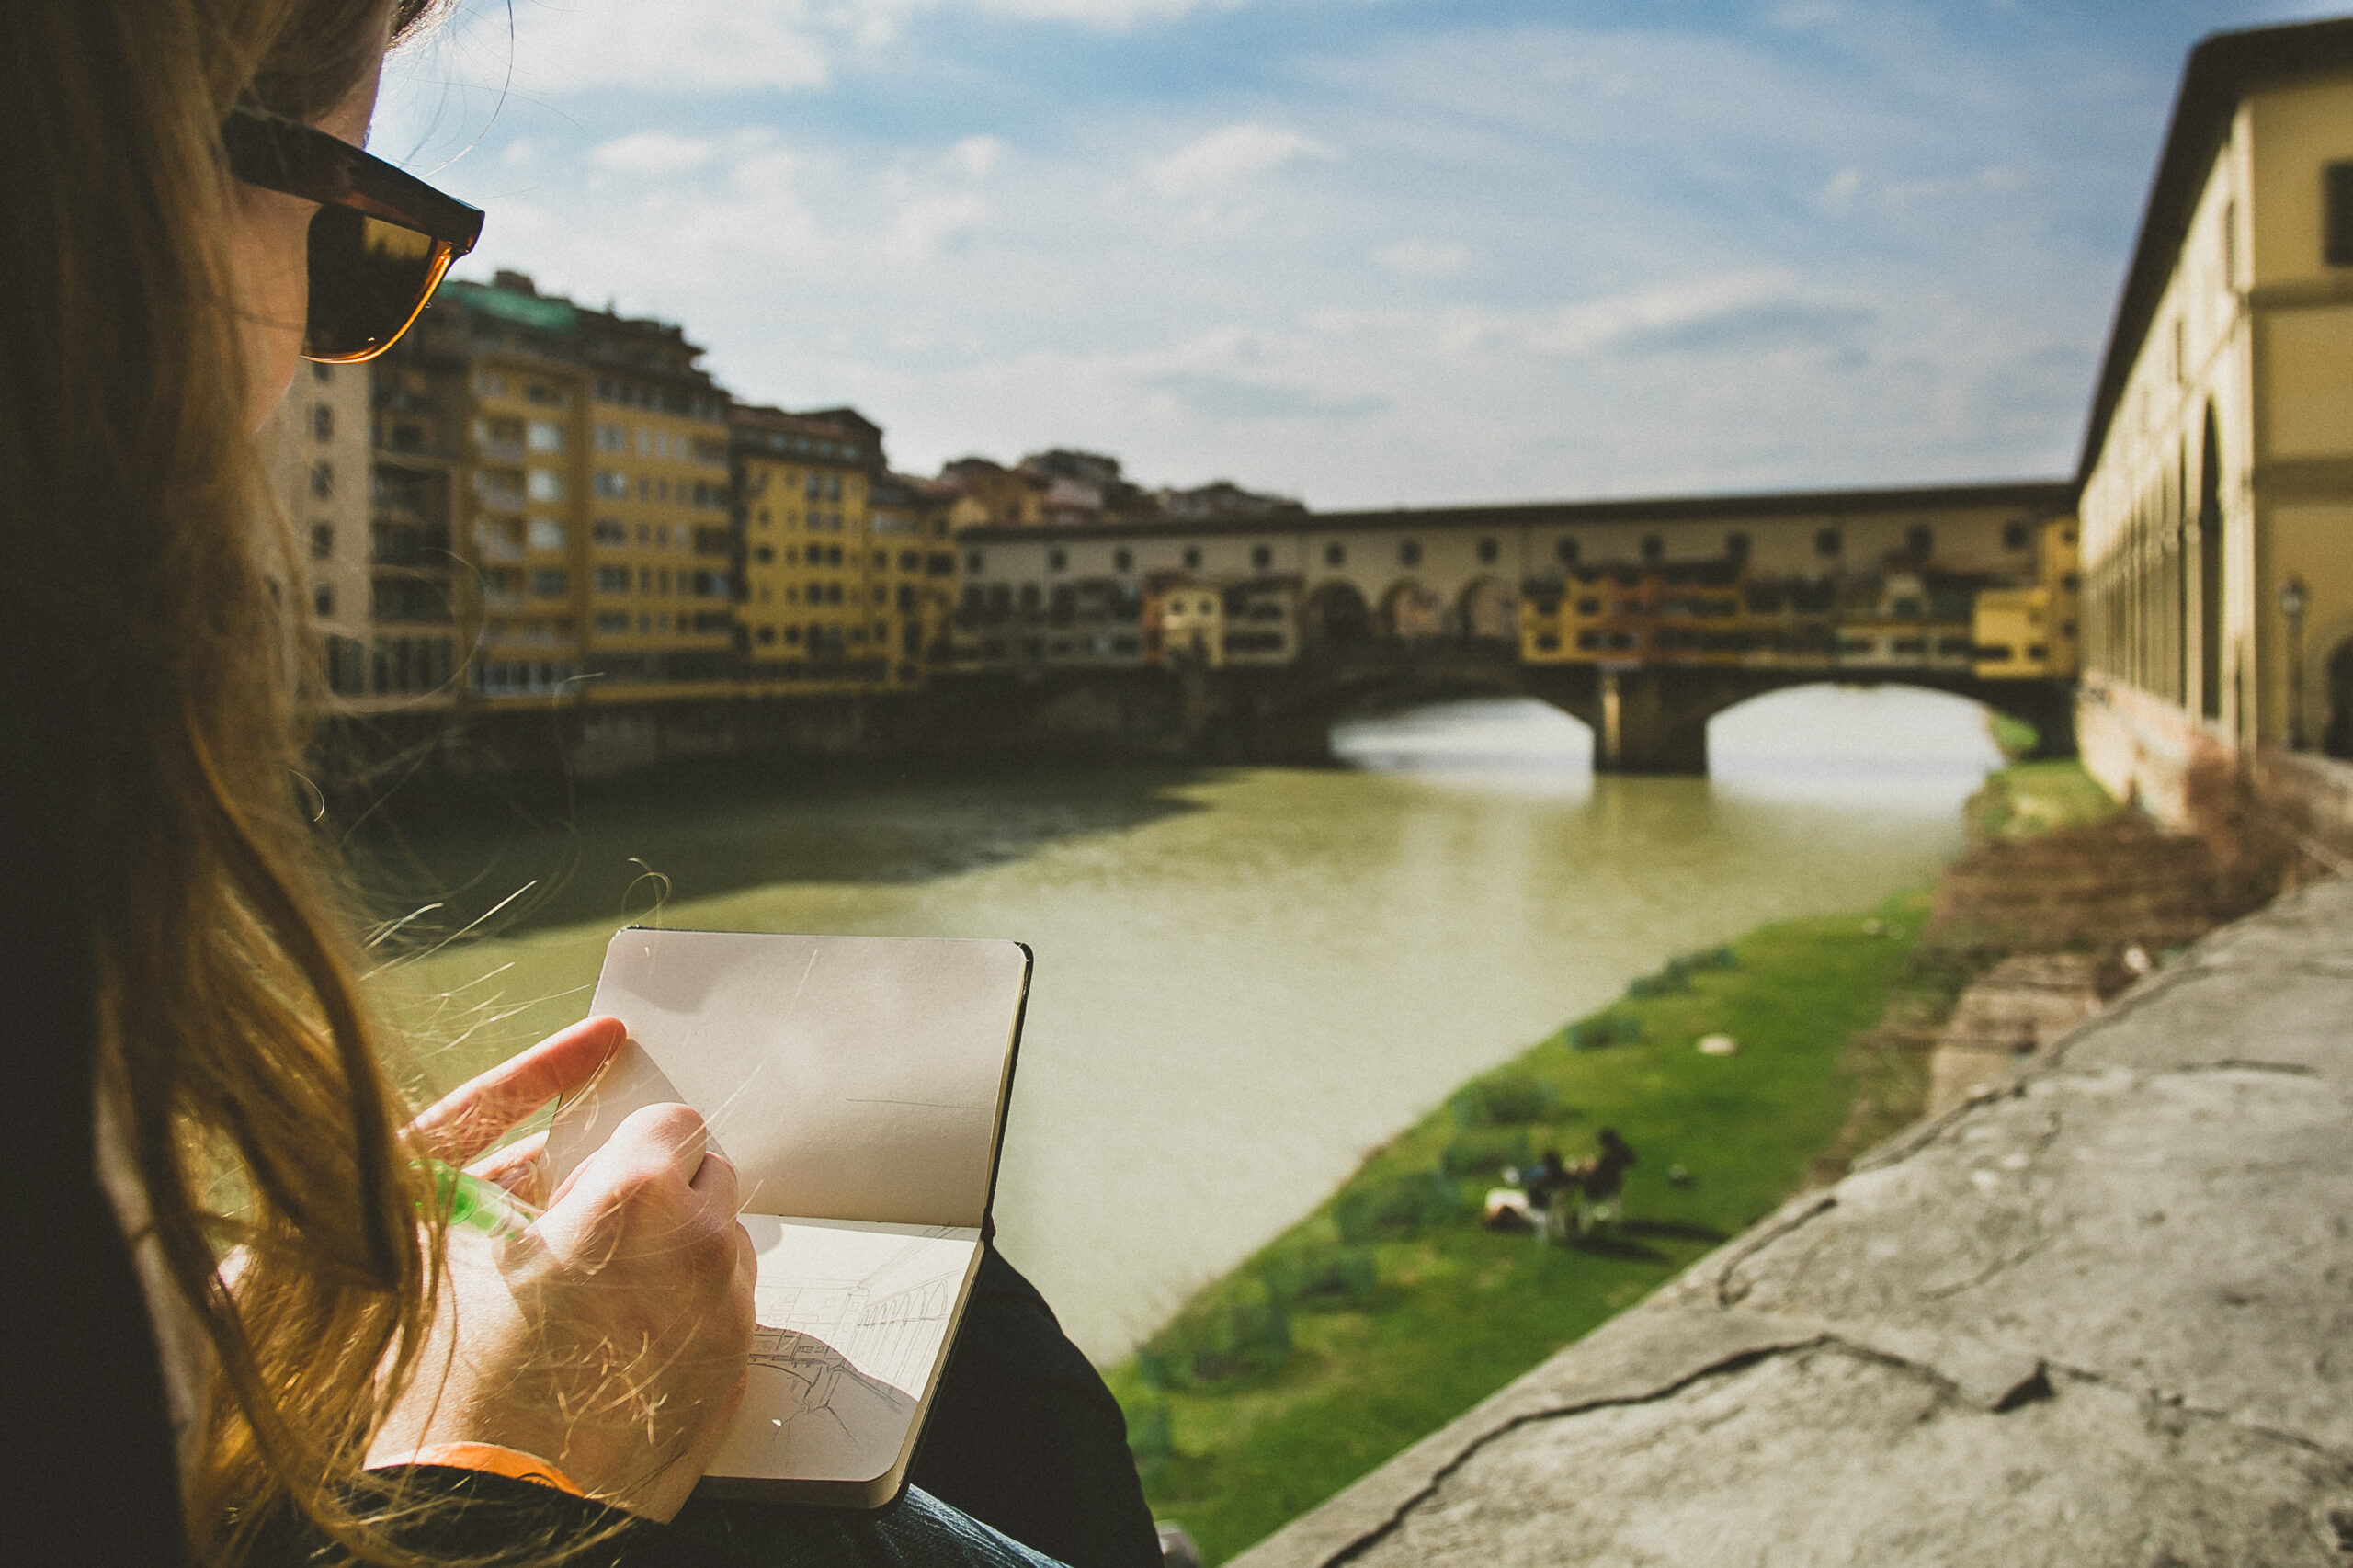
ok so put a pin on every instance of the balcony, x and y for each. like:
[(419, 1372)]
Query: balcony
[(396, 544)]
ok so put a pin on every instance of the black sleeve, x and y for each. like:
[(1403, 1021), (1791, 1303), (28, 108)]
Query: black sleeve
[(1023, 1435)]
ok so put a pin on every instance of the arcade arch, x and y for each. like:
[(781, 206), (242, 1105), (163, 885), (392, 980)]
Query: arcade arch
[(1411, 611), (1335, 616), (1488, 611)]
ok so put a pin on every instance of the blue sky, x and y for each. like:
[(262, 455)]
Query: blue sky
[(1363, 252)]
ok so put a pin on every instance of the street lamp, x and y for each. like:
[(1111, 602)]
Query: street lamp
[(2291, 605)]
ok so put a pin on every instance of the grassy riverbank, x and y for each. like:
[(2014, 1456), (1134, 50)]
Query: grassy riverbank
[(1389, 1310)]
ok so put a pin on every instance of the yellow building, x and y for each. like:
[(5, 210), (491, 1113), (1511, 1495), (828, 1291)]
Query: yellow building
[(2031, 632), (913, 523), (820, 610), (316, 446), (1184, 624), (2217, 470), (586, 460)]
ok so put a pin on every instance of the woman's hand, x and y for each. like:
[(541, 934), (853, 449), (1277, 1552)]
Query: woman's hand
[(609, 1338)]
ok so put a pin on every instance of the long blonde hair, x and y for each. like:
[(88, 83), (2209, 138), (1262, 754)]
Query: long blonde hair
[(233, 1047)]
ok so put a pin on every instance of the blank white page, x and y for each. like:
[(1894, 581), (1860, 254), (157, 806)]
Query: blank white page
[(855, 1078)]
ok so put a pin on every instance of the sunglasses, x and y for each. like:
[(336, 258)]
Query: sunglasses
[(379, 243)]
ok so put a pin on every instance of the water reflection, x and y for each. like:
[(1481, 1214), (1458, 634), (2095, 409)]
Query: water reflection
[(1246, 977)]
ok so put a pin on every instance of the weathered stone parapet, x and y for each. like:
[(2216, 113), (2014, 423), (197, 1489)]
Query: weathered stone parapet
[(2104, 1317)]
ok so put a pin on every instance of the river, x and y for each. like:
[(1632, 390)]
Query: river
[(1245, 977)]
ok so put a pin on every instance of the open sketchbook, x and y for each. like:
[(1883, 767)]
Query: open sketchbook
[(859, 1085)]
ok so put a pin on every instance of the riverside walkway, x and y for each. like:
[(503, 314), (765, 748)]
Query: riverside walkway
[(2102, 1317)]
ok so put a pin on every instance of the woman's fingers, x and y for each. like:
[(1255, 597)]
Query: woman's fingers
[(477, 1113), (517, 1168)]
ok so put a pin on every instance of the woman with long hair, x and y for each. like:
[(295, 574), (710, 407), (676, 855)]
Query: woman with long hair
[(248, 1334)]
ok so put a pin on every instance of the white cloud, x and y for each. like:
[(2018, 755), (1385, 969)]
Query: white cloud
[(574, 45), (976, 156), (1840, 188), (653, 154), (925, 224), (1235, 153), (1808, 14), (1423, 258), (1599, 323), (1107, 14)]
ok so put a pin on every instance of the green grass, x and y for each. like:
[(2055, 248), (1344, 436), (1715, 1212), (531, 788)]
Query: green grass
[(1452, 1312), (2035, 797)]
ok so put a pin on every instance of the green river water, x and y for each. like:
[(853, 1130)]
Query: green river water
[(1247, 977)]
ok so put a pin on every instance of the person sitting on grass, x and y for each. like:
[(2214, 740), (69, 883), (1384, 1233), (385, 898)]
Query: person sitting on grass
[(1601, 1179), (1549, 1185)]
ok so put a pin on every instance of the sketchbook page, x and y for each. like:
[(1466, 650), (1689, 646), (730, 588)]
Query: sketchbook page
[(853, 1329), (847, 1077), (628, 1082)]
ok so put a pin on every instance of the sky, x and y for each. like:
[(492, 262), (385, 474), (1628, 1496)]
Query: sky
[(1360, 252)]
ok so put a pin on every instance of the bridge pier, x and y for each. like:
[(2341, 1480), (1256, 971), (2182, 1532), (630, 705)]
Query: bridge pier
[(1648, 728)]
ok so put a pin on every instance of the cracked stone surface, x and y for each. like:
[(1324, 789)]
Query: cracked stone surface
[(2106, 1317)]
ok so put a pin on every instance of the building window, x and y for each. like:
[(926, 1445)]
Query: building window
[(1827, 542), (2336, 205), (1564, 550), (2014, 535), (612, 579), (1919, 541), (612, 484), (322, 542), (1056, 558), (1123, 559), (1736, 547), (612, 621), (1192, 557), (1409, 553), (1488, 551), (546, 436), (1335, 555), (1261, 556), (550, 583), (322, 422), (764, 554), (545, 534), (322, 480), (608, 531), (321, 373), (973, 560), (323, 600)]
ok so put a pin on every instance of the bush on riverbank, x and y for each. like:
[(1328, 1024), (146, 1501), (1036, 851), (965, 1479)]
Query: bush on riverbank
[(1323, 1278), (1486, 1151), (1238, 1332), (1511, 1100), (1674, 977), (1395, 1208), (1437, 1313), (1604, 1030)]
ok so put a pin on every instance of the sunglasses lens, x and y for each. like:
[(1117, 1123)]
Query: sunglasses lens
[(369, 278)]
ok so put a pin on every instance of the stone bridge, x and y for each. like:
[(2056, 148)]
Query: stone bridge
[(1645, 719), (1643, 618)]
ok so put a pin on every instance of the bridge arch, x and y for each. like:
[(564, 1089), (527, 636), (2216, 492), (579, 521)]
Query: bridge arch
[(1412, 612), (1654, 718), (1335, 615), (1487, 610)]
